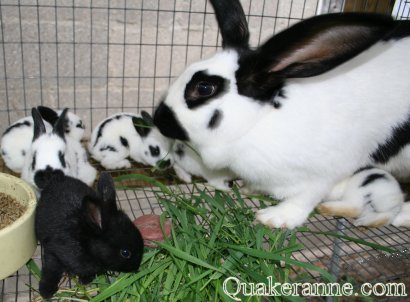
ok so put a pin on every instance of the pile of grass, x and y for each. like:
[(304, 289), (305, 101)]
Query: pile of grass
[(214, 237)]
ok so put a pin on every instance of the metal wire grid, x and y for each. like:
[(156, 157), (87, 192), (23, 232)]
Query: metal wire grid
[(99, 57), (344, 259)]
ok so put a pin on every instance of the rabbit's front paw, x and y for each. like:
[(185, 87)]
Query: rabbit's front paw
[(285, 215)]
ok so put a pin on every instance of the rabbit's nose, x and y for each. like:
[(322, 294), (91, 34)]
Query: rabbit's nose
[(166, 163)]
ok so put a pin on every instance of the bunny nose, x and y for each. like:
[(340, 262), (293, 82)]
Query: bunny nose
[(166, 163)]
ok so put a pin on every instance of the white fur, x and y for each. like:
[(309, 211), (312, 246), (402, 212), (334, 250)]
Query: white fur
[(46, 151), (138, 148), (16, 143), (190, 163), (374, 204), (403, 218), (326, 128)]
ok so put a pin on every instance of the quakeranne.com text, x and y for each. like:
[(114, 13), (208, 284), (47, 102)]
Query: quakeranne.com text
[(234, 289)]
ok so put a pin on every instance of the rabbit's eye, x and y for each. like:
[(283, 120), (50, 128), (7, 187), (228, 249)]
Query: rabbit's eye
[(125, 253), (205, 88)]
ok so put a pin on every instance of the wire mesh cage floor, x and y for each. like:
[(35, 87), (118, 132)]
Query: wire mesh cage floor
[(100, 57), (329, 244)]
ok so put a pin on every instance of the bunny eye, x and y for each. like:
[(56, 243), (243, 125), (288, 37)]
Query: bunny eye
[(205, 88), (125, 253)]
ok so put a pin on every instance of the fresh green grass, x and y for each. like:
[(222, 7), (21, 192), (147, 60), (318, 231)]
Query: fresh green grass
[(213, 237)]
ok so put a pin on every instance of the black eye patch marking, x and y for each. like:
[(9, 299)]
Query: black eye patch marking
[(203, 87), (61, 158), (154, 151), (124, 142), (215, 120)]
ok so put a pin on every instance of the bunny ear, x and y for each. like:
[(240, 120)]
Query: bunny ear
[(232, 23), (60, 125), (147, 118), (310, 48), (48, 114), (92, 212), (39, 128), (106, 190), (141, 126)]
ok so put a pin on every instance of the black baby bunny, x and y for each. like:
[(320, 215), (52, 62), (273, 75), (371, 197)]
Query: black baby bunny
[(81, 231)]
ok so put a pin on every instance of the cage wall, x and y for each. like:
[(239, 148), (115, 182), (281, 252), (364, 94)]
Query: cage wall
[(99, 57)]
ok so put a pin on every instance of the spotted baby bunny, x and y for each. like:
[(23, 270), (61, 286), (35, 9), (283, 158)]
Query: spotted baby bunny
[(127, 135), (305, 109), (372, 196), (82, 232), (57, 151), (17, 139)]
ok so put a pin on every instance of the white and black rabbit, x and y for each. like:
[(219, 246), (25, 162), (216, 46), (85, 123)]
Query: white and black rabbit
[(128, 135), (81, 231), (56, 150), (16, 140), (188, 163), (303, 111), (371, 195)]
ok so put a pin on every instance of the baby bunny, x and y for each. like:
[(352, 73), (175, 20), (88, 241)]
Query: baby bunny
[(187, 162), (16, 140), (307, 108), (55, 150), (126, 135), (371, 195), (81, 231)]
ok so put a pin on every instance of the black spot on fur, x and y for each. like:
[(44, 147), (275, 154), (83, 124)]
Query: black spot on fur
[(180, 151), (215, 120), (372, 178), (4, 152), (33, 163), (363, 169), (398, 139), (100, 130), (167, 123), (108, 148), (18, 125), (62, 159), (203, 87), (155, 151), (23, 153), (80, 125), (124, 142)]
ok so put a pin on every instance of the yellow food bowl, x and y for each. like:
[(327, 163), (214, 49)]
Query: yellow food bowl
[(17, 240)]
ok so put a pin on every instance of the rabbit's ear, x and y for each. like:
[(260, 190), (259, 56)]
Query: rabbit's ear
[(60, 125), (232, 23), (39, 128), (48, 114), (147, 118), (309, 48), (106, 190), (141, 126), (92, 212)]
